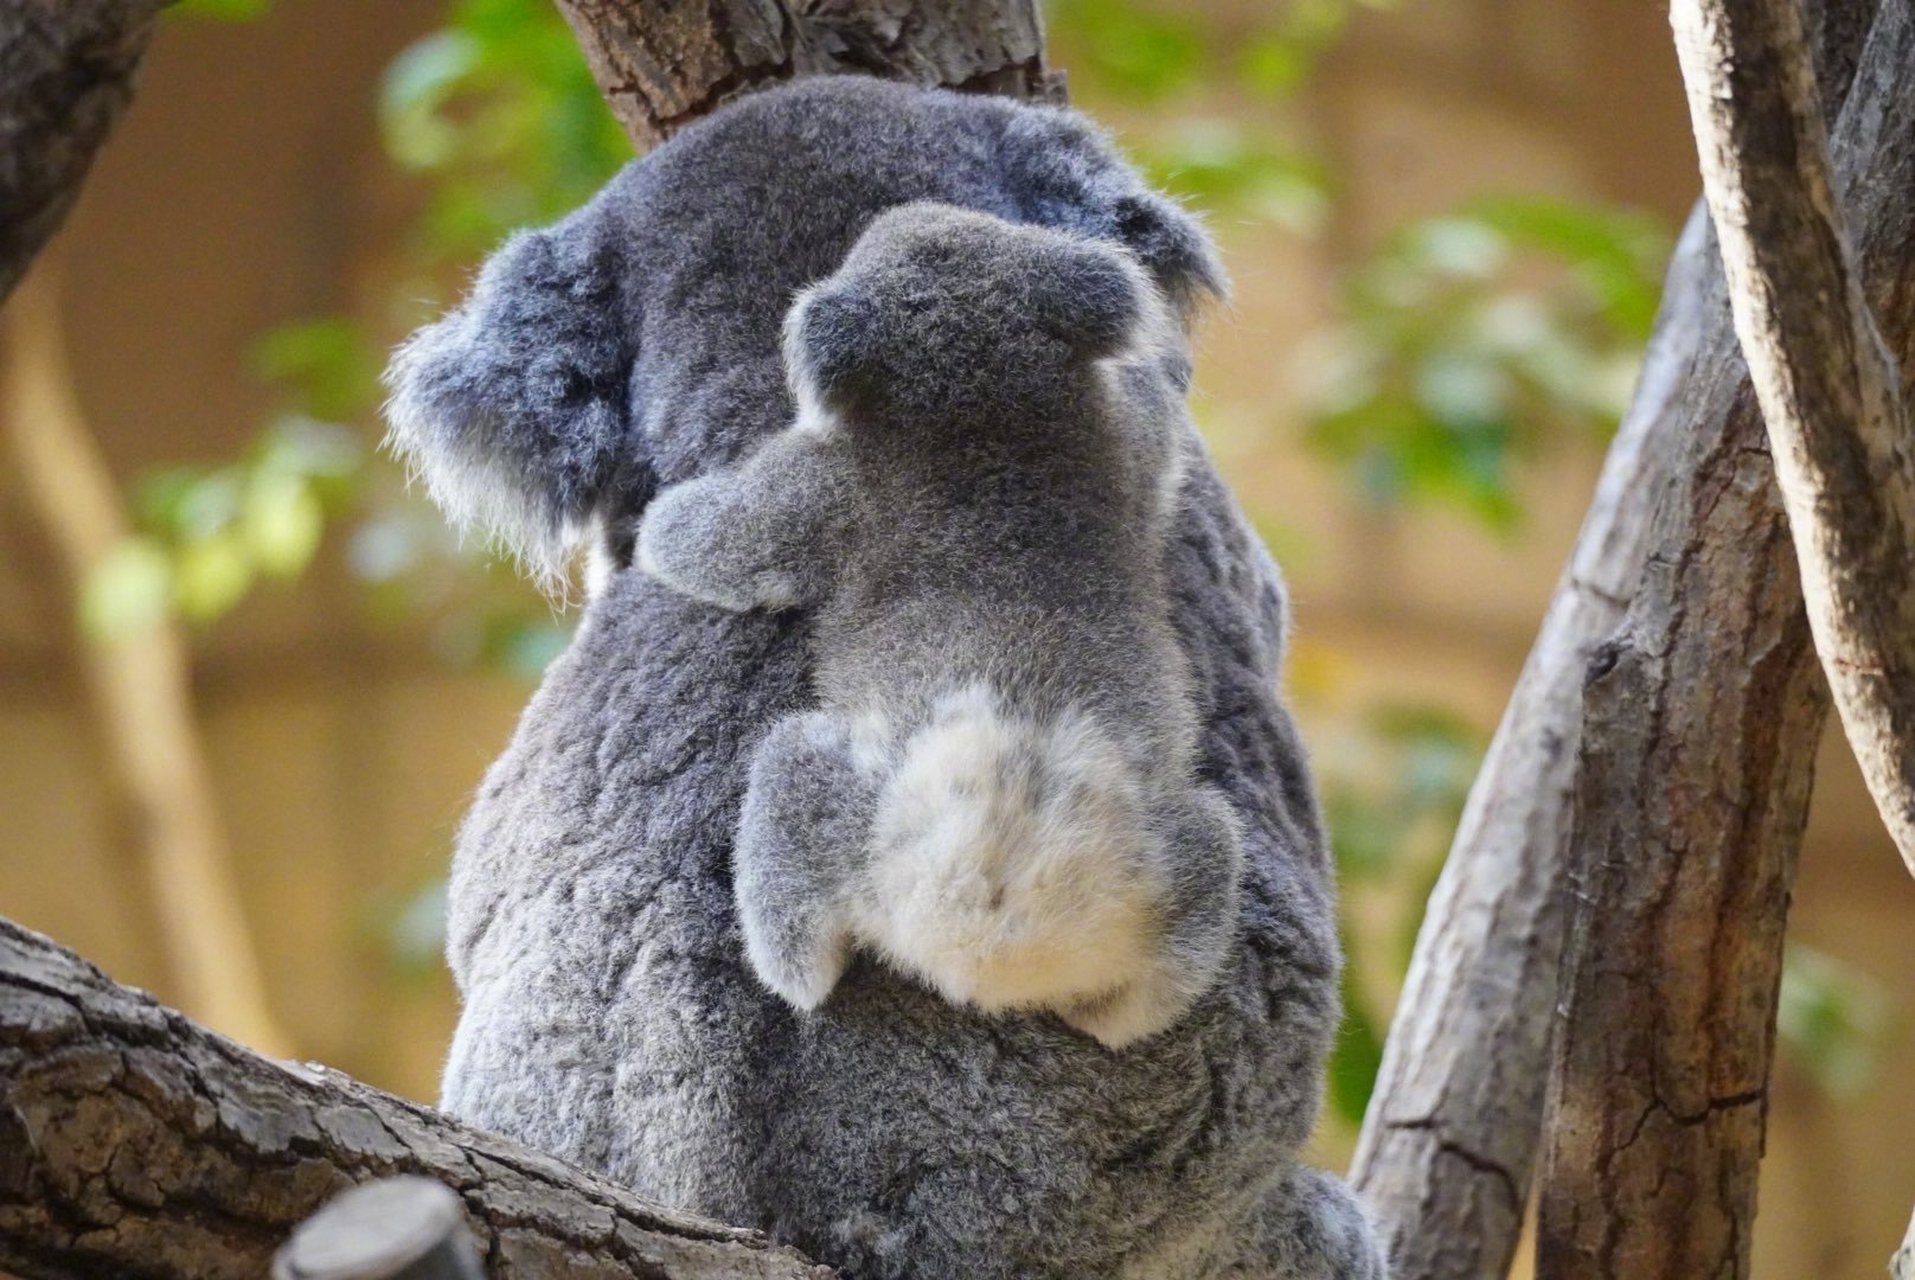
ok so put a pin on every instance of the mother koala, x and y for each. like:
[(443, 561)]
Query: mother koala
[(610, 1014)]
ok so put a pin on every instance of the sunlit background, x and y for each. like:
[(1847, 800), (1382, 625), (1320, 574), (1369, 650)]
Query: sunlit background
[(1446, 221)]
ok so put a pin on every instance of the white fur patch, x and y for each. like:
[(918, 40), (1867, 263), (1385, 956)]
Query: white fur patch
[(1012, 866)]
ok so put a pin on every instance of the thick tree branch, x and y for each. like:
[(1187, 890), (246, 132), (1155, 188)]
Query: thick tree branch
[(134, 1143), (66, 74), (663, 66), (1451, 1136), (1701, 717), (1830, 393)]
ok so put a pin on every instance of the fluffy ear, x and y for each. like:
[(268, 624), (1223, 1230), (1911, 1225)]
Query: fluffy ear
[(514, 408), (1069, 176), (830, 334), (1092, 296)]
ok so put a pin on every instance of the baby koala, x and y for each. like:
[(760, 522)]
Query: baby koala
[(998, 790)]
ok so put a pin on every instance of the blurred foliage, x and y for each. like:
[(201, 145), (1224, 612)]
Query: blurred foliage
[(1394, 778), (207, 533), (1463, 343), (221, 10), (1836, 1022), (499, 115), (1475, 337)]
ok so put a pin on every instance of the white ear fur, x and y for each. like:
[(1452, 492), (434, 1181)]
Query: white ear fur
[(475, 488)]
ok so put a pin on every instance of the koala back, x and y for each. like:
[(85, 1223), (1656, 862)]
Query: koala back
[(608, 1015)]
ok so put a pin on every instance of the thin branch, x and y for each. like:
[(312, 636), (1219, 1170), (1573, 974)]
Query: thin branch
[(140, 687), (1830, 393)]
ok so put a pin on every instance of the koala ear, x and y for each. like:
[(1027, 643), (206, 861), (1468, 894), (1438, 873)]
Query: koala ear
[(514, 408), (1069, 176), (830, 335), (1093, 297)]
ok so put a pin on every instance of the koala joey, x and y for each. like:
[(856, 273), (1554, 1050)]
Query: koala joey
[(1041, 646), (998, 792)]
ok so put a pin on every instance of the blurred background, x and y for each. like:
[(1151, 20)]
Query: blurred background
[(247, 683)]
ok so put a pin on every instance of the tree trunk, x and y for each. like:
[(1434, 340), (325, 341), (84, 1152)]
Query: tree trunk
[(1701, 718), (663, 66), (66, 74), (134, 1143), (1450, 1139), (1829, 392)]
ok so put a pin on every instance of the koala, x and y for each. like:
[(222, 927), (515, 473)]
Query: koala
[(997, 793), (687, 753)]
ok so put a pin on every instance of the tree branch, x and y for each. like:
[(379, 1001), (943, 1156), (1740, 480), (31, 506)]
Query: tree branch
[(1701, 718), (663, 66), (134, 1143), (1450, 1139), (66, 74), (1830, 393)]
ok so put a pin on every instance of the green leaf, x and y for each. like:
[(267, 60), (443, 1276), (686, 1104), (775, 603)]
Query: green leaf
[(1834, 1020), (223, 10), (211, 576), (128, 592), (1356, 1057), (417, 85), (327, 365), (282, 522)]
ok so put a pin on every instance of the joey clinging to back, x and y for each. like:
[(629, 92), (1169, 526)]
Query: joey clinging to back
[(997, 792)]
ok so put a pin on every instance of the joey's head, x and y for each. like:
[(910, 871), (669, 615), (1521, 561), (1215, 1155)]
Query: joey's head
[(959, 316)]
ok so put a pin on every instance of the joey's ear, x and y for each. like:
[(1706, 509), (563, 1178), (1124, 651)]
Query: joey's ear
[(514, 407), (830, 339), (1092, 295), (1070, 176)]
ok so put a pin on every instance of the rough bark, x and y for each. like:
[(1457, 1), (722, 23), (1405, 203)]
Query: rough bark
[(136, 1144), (662, 66), (140, 688), (1450, 1140), (1830, 393), (66, 74), (1700, 721)]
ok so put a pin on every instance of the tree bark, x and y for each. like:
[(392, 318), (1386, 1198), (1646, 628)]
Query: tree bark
[(1700, 722), (66, 74), (662, 66), (1450, 1139), (1829, 391), (136, 1144)]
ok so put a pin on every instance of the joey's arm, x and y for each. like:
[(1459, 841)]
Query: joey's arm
[(752, 536)]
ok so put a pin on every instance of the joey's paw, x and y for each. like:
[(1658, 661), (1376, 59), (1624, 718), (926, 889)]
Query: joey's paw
[(668, 537), (801, 976)]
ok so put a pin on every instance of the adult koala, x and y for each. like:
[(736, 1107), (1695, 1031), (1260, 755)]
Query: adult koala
[(610, 1014)]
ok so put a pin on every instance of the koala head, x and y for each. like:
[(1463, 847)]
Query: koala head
[(953, 312)]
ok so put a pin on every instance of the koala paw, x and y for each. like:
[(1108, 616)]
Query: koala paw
[(801, 978)]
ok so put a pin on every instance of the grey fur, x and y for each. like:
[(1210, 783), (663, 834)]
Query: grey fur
[(977, 496), (610, 1015)]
